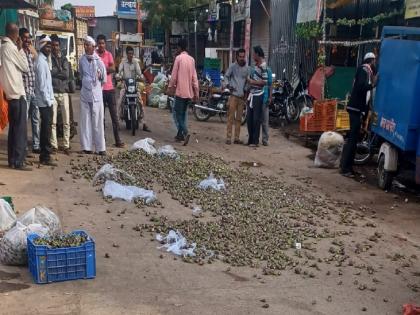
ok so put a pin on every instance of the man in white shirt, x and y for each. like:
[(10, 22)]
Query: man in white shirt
[(44, 97), (13, 64)]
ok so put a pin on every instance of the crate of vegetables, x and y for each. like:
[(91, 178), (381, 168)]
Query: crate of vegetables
[(61, 257)]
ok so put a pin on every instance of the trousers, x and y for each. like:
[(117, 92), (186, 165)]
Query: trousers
[(235, 112), (254, 119), (46, 114), (181, 115), (62, 100), (33, 115), (265, 123), (17, 140), (109, 100), (349, 150)]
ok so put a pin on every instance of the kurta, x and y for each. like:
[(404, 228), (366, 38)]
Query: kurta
[(93, 74)]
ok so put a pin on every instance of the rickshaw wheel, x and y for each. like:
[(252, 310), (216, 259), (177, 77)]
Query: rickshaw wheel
[(385, 178)]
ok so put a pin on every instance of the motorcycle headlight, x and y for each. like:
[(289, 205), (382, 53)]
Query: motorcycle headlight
[(131, 89)]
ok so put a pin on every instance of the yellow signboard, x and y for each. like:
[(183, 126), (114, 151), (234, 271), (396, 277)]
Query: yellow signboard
[(412, 9)]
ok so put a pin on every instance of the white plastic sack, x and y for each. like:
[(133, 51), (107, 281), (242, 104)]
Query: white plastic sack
[(43, 216), (330, 146), (146, 145), (109, 172), (177, 244), (212, 183), (169, 151), (13, 247), (163, 101), (127, 193), (7, 216)]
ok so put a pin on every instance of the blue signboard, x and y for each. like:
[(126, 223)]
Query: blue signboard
[(127, 7)]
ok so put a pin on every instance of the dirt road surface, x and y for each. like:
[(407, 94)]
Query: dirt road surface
[(135, 279)]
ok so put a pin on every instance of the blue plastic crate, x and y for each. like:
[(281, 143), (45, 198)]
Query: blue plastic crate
[(61, 264)]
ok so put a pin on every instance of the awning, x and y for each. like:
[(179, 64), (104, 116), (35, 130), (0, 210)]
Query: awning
[(16, 4)]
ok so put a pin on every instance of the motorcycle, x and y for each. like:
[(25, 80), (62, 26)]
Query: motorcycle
[(289, 99), (283, 105), (131, 107), (212, 104)]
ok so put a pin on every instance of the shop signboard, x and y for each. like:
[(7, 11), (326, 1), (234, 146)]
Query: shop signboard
[(412, 9), (127, 8)]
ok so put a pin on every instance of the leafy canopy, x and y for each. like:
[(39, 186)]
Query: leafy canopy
[(163, 12)]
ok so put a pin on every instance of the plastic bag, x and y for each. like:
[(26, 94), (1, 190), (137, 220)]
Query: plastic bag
[(146, 145), (7, 216), (177, 244), (163, 101), (169, 151), (127, 193), (44, 216), (109, 172), (13, 247), (330, 146), (212, 183)]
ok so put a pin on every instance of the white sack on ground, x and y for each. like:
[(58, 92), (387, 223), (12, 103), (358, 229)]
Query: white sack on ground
[(13, 246), (109, 172), (146, 145), (128, 193), (7, 216), (169, 151), (330, 146), (212, 183), (44, 216), (177, 244)]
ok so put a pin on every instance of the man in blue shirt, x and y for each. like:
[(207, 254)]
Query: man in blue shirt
[(257, 81), (44, 96)]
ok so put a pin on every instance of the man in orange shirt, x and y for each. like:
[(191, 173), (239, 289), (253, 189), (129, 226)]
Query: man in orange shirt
[(184, 84)]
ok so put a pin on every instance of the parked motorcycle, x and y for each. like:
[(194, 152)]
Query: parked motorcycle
[(212, 104), (283, 105), (131, 106), (289, 99)]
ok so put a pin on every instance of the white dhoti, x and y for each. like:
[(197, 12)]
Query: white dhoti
[(92, 137), (93, 73)]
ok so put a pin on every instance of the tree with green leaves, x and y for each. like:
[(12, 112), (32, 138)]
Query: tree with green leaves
[(163, 12), (67, 6)]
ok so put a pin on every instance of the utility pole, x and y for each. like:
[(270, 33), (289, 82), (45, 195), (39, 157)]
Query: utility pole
[(139, 22), (232, 27), (195, 32)]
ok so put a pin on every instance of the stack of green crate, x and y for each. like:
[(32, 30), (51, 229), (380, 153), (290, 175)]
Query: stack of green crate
[(212, 64)]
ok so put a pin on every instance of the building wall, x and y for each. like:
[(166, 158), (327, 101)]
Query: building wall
[(106, 25), (260, 27), (287, 51), (6, 16)]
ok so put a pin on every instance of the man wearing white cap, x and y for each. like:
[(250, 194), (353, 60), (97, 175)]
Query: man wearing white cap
[(44, 98), (93, 75), (358, 108)]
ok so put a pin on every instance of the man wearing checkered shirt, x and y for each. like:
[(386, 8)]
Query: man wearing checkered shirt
[(29, 83)]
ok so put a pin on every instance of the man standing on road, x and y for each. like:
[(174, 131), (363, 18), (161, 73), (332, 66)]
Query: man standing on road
[(268, 92), (184, 85), (44, 96), (29, 82), (130, 69), (257, 81), (93, 75), (236, 77), (13, 64), (108, 87), (364, 82), (60, 73)]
